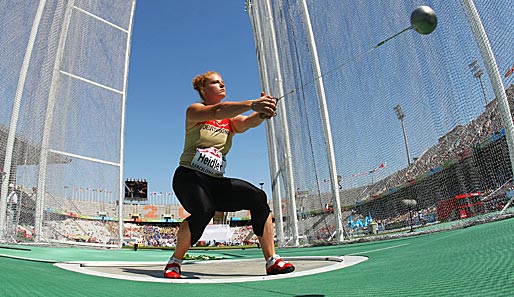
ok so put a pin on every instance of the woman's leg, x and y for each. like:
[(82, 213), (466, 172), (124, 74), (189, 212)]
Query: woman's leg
[(238, 194), (267, 240), (192, 191), (183, 241), (233, 194)]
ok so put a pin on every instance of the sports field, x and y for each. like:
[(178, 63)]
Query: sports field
[(474, 261)]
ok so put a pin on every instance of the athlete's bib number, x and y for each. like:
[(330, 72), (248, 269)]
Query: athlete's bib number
[(209, 160)]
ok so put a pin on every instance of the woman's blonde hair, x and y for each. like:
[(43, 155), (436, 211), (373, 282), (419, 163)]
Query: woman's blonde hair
[(199, 81)]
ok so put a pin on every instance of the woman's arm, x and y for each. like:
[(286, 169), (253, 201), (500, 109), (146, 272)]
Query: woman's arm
[(198, 112), (242, 123)]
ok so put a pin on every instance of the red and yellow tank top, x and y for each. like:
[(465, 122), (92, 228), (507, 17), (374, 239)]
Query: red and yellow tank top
[(206, 145)]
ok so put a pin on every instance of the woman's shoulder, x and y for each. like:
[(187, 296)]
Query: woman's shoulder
[(196, 105)]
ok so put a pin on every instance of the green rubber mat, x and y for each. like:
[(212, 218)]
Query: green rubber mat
[(474, 261)]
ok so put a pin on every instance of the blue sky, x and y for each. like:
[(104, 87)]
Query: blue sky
[(173, 41)]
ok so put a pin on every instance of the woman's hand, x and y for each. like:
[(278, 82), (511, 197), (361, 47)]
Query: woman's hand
[(266, 106)]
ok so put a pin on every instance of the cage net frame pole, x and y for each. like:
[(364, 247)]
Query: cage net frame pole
[(325, 119), (287, 142), (121, 184), (50, 108), (15, 115), (47, 126), (292, 219), (493, 73), (290, 185), (270, 128), (494, 76)]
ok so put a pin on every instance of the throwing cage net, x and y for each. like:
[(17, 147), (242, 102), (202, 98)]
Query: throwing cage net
[(63, 85), (382, 130)]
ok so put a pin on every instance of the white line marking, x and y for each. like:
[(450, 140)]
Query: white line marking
[(82, 267), (382, 249)]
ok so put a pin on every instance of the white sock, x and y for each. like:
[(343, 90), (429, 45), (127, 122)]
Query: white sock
[(271, 260), (175, 260)]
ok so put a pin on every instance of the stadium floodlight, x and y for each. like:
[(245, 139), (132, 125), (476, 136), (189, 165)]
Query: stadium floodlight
[(401, 115), (477, 73)]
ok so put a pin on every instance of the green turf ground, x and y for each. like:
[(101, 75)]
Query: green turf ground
[(475, 261)]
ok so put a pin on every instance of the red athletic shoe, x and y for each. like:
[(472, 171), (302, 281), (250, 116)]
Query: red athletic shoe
[(279, 267), (172, 270)]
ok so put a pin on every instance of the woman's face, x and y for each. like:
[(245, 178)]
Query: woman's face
[(214, 89)]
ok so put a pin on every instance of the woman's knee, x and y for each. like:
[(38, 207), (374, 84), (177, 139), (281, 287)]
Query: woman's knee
[(260, 212), (260, 203), (259, 198), (197, 223)]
